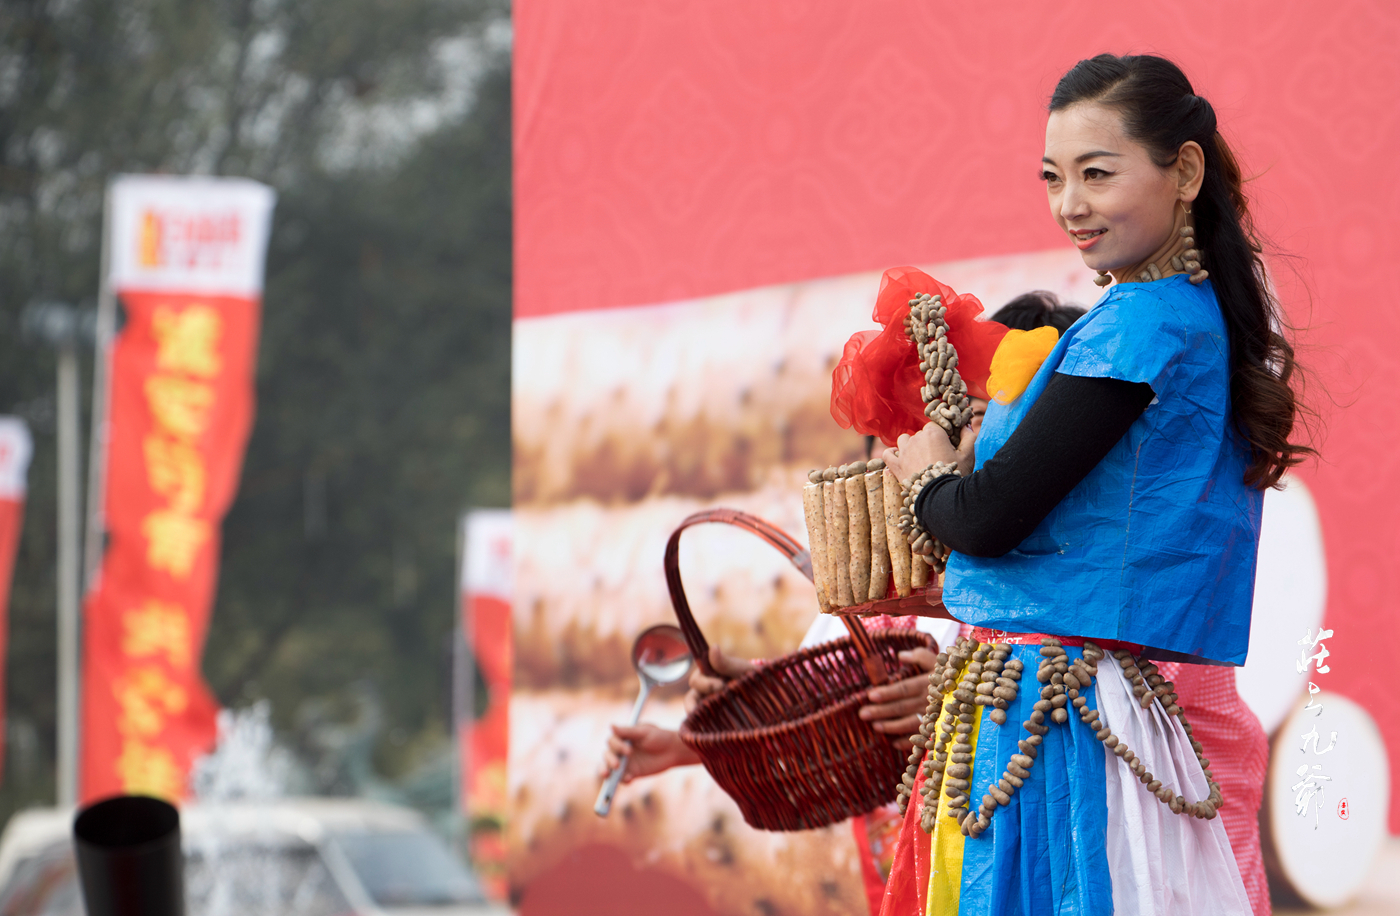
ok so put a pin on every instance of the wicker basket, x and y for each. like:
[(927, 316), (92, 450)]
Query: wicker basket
[(785, 740)]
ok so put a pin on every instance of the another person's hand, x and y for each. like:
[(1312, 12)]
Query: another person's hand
[(650, 750), (928, 446), (895, 707), (702, 685)]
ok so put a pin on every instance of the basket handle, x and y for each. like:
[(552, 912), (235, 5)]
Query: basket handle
[(776, 537)]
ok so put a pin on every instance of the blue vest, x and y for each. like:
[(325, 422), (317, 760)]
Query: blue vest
[(1157, 544)]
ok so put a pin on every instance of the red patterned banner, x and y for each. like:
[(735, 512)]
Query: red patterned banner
[(15, 450), (180, 409), (182, 404), (486, 623)]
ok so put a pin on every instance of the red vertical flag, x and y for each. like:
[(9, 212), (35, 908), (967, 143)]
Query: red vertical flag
[(15, 450), (487, 577), (187, 267)]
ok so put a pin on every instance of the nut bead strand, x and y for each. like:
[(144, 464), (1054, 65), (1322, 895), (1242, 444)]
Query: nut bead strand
[(937, 764), (1148, 685), (934, 729), (1191, 257), (946, 403), (924, 740), (1188, 261), (1018, 767), (957, 779), (924, 545), (945, 396), (974, 674), (921, 740), (1005, 685)]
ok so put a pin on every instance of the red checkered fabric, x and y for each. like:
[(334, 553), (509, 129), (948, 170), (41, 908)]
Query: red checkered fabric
[(886, 622)]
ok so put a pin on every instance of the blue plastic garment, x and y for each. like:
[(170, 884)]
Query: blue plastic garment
[(1042, 855), (1157, 545)]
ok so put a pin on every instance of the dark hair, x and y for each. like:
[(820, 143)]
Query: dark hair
[(1161, 111), (1037, 309)]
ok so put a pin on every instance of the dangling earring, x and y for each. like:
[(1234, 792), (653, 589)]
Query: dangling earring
[(1103, 279), (1190, 259)]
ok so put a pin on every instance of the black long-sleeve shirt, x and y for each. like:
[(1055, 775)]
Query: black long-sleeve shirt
[(1071, 428)]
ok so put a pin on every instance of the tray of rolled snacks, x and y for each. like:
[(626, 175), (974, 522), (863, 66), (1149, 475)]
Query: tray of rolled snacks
[(868, 554), (862, 563)]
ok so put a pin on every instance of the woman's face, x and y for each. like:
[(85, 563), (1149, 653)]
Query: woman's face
[(1110, 198)]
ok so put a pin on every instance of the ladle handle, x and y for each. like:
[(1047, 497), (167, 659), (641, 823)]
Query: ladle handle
[(603, 805)]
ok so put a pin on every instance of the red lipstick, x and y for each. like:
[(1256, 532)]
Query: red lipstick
[(1084, 244)]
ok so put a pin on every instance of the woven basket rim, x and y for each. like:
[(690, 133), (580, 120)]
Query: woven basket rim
[(763, 672)]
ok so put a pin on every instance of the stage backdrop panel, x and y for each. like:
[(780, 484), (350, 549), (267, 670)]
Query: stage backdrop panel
[(688, 172), (627, 421)]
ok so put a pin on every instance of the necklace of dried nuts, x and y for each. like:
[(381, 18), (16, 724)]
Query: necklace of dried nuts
[(973, 674), (921, 542), (1185, 258), (946, 402), (1187, 261)]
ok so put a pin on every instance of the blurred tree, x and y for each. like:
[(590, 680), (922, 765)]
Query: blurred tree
[(384, 410), (383, 375)]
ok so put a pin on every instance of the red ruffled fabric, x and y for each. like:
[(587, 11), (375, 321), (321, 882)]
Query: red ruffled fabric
[(875, 387), (906, 892)]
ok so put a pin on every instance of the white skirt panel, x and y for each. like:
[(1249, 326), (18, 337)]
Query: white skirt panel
[(1162, 864)]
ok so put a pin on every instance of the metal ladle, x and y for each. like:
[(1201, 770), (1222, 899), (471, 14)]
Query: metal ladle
[(661, 657)]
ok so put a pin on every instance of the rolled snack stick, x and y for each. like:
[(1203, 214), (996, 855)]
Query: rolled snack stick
[(829, 489), (838, 548), (879, 543), (816, 537), (918, 576), (857, 510), (895, 541)]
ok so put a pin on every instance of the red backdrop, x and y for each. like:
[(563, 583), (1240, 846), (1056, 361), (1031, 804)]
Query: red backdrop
[(683, 148)]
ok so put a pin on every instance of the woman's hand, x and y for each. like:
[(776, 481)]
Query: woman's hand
[(927, 447), (650, 750), (895, 708), (702, 685)]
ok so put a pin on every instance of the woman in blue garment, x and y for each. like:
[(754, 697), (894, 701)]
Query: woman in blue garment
[(1108, 514)]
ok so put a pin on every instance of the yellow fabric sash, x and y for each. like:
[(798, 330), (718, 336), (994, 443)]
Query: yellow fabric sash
[(946, 853)]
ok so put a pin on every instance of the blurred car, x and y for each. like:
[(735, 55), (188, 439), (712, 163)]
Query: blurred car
[(290, 857)]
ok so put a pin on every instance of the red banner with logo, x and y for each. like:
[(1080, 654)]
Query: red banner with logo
[(15, 450), (484, 741), (180, 410)]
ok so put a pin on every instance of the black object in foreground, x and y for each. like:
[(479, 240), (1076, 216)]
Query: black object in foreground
[(129, 858)]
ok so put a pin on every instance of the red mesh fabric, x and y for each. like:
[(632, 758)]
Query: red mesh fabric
[(875, 387)]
